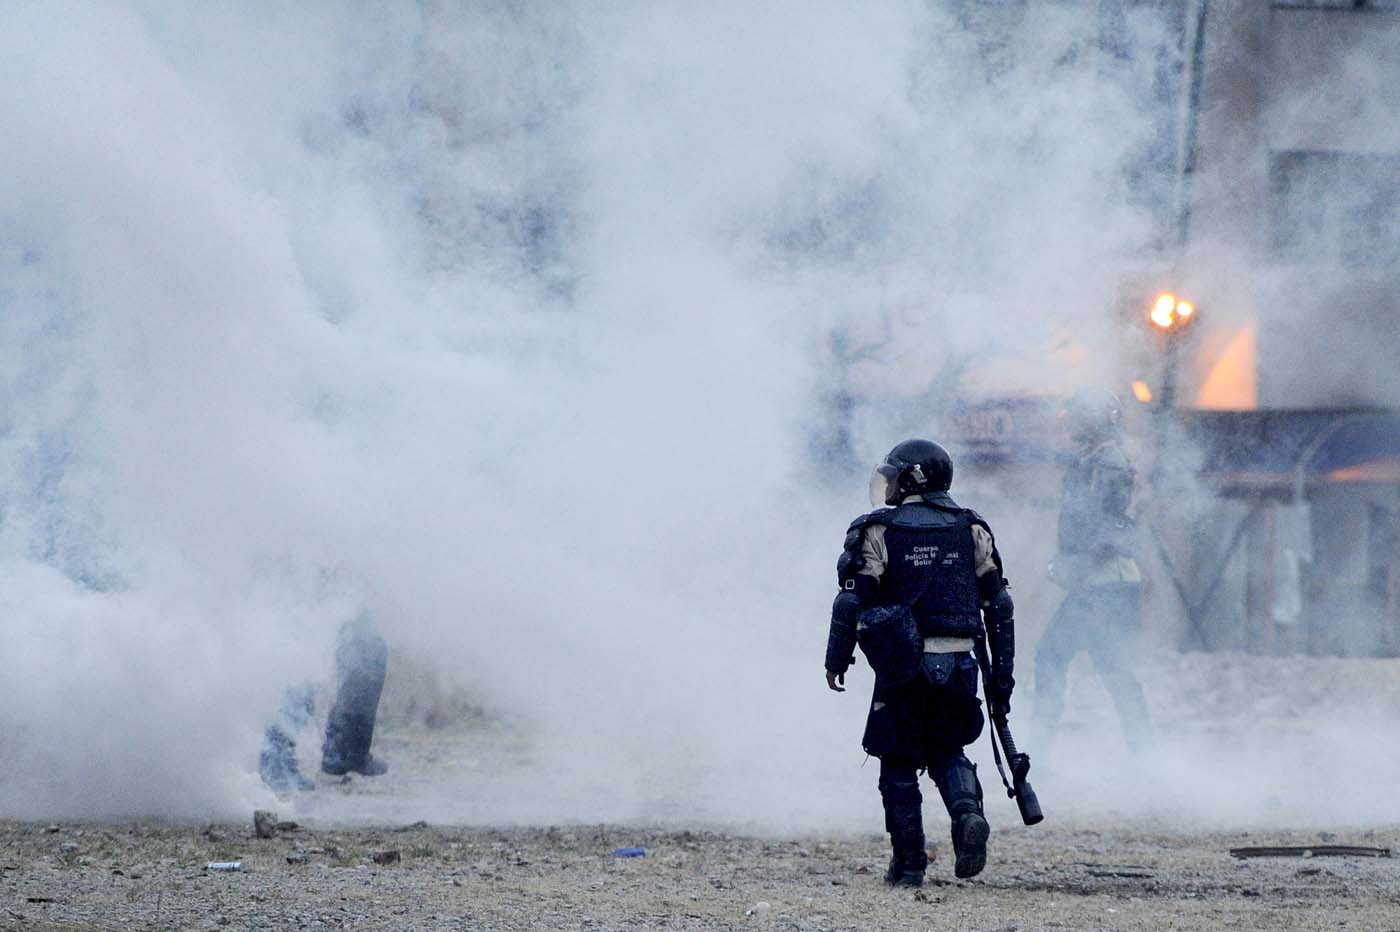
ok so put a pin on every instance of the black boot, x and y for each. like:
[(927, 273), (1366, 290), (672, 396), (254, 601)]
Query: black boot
[(904, 820), (962, 795)]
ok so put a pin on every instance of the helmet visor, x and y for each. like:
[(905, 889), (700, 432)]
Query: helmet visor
[(883, 490)]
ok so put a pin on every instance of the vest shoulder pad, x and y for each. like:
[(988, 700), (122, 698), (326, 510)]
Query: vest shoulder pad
[(877, 516)]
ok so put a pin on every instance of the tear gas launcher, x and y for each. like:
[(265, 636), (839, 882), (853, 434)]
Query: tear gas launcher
[(1018, 787)]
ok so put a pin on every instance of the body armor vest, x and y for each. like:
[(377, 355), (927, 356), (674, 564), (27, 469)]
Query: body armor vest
[(932, 567), (1086, 524)]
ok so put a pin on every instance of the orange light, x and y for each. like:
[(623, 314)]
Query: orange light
[(1141, 392), (1164, 311), (1168, 312), (1232, 384)]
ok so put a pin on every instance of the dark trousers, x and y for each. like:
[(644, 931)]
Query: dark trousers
[(939, 715), (361, 663), (1103, 621)]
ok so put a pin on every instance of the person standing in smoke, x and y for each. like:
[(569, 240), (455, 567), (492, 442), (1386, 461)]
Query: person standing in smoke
[(361, 664), (916, 582), (1102, 607)]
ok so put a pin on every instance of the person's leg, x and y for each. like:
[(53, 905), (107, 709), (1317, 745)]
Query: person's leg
[(1053, 654), (361, 661), (277, 760), (956, 713), (904, 820), (956, 777), (1117, 615)]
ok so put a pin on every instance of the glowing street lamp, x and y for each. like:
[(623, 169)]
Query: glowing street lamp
[(1170, 313)]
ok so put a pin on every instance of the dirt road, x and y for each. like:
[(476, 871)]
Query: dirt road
[(154, 877)]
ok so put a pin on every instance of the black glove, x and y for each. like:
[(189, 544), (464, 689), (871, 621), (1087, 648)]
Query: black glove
[(998, 688)]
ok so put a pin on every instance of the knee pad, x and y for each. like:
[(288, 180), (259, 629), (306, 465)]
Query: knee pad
[(958, 785), (904, 810), (900, 792)]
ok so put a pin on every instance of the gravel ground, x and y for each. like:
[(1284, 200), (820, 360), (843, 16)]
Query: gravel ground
[(147, 876), (1269, 765)]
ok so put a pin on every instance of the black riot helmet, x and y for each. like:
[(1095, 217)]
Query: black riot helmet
[(1093, 415), (911, 468)]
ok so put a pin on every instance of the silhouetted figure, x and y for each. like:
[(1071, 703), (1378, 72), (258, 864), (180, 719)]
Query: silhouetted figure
[(361, 663), (1102, 608)]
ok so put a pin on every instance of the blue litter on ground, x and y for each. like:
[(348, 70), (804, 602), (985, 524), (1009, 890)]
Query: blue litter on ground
[(629, 852)]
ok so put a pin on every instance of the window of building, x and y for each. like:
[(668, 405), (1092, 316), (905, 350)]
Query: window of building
[(1334, 208)]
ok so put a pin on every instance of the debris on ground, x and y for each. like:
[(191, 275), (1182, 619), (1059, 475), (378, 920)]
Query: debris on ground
[(629, 852), (224, 866), (387, 857), (1309, 851), (1130, 871), (264, 823)]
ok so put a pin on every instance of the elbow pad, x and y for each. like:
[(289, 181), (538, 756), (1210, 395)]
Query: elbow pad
[(999, 613), (1000, 607), (845, 608), (841, 639)]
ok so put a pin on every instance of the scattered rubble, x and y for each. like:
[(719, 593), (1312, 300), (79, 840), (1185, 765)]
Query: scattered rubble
[(1309, 851), (264, 823)]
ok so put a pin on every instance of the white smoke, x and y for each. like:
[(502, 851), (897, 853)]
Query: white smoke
[(507, 323)]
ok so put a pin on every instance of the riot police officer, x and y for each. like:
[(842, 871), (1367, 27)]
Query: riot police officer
[(927, 570), (1101, 610)]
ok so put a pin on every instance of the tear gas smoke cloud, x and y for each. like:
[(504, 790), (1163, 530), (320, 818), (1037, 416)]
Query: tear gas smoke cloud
[(508, 323)]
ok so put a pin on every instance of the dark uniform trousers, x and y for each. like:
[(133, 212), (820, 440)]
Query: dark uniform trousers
[(1103, 621), (926, 724)]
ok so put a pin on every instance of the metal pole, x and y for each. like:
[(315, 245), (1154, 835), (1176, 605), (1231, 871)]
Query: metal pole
[(1188, 145)]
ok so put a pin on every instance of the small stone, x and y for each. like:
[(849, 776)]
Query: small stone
[(760, 909), (296, 857), (391, 856), (68, 847), (52, 829), (264, 823)]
